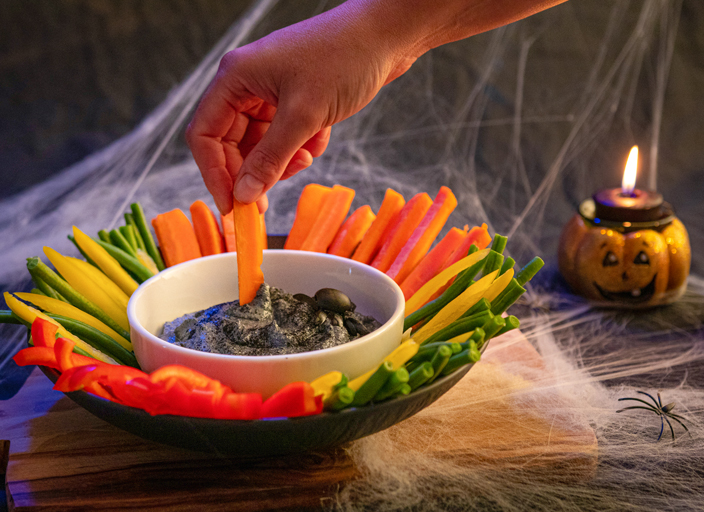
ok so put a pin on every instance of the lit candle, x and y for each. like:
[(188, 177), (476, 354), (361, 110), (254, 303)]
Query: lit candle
[(629, 204)]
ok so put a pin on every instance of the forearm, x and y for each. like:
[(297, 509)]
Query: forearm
[(420, 25)]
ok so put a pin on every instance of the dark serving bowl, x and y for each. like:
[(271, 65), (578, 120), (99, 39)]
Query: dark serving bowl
[(263, 438)]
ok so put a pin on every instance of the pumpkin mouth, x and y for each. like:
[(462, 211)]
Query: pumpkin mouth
[(635, 296)]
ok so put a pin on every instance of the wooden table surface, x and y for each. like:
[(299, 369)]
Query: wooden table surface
[(62, 458)]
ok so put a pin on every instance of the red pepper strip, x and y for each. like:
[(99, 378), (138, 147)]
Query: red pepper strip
[(71, 379), (45, 356), (63, 348), (295, 399), (191, 378), (43, 333), (241, 406)]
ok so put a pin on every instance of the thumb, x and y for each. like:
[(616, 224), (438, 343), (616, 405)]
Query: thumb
[(269, 158)]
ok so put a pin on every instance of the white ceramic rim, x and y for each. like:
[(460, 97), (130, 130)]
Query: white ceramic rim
[(135, 324)]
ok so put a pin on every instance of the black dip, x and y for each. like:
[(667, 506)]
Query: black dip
[(273, 323)]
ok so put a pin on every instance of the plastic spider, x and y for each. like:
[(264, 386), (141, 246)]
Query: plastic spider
[(663, 411)]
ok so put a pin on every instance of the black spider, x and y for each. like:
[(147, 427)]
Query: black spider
[(660, 410)]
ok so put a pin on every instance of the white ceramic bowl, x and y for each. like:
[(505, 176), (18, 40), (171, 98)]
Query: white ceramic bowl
[(204, 282)]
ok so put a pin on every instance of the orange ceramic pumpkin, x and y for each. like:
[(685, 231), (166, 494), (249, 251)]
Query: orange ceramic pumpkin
[(644, 267)]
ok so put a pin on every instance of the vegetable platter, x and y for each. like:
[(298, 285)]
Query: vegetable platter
[(457, 293)]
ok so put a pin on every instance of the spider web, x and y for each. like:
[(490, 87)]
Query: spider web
[(522, 123)]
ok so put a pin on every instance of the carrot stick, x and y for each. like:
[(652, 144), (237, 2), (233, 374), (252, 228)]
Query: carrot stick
[(249, 250), (408, 220), (262, 231), (433, 262), (352, 231), (423, 236), (177, 240), (478, 236), (381, 227), (332, 215), (228, 231), (207, 229), (309, 205)]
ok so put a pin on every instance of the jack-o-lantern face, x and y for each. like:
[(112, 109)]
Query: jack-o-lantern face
[(636, 268)]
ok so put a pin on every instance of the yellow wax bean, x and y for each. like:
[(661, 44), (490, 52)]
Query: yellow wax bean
[(397, 358), (58, 307), (431, 287), (29, 314), (101, 280), (456, 308), (324, 385), (107, 263), (498, 286), (87, 288), (461, 338), (147, 261)]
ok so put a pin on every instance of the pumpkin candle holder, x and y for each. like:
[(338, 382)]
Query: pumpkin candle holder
[(625, 247)]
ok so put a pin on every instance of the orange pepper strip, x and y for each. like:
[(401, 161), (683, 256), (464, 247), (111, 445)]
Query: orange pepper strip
[(207, 230), (177, 240), (249, 250), (423, 236), (331, 216), (408, 220), (380, 229), (309, 204), (228, 231), (431, 264), (352, 231)]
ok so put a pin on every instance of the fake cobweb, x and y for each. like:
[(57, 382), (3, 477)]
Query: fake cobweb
[(522, 123)]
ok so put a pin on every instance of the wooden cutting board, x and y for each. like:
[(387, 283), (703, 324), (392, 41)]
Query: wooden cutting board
[(61, 457)]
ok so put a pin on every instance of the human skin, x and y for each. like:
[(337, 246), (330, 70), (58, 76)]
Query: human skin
[(269, 110)]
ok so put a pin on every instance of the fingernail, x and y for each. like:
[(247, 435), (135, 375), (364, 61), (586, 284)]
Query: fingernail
[(248, 189)]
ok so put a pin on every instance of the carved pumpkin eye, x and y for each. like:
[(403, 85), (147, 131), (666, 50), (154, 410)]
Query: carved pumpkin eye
[(642, 259), (610, 260)]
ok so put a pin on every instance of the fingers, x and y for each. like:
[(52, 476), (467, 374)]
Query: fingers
[(271, 156), (317, 144)]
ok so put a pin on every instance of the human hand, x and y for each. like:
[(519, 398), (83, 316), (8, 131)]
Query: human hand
[(269, 110)]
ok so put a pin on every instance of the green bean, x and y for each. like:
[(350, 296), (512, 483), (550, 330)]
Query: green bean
[(493, 326), (439, 361), (128, 233), (493, 262), (98, 340), (458, 286), (104, 236), (498, 244), (47, 290), (457, 361), (118, 240), (477, 338), (373, 384), (511, 323), (425, 352), (460, 326), (341, 398), (405, 390), (147, 238), (420, 375), (129, 220), (8, 317), (37, 268), (481, 305), (131, 264), (508, 296), (37, 291), (528, 272), (392, 385), (509, 263)]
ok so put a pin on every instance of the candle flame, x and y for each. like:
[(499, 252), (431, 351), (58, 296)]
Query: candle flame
[(629, 174)]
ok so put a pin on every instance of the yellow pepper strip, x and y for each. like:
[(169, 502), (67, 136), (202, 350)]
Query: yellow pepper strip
[(429, 289), (107, 263), (498, 286), (28, 314), (102, 281), (461, 338), (397, 358), (325, 384), (87, 288), (146, 260), (456, 308), (58, 307)]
